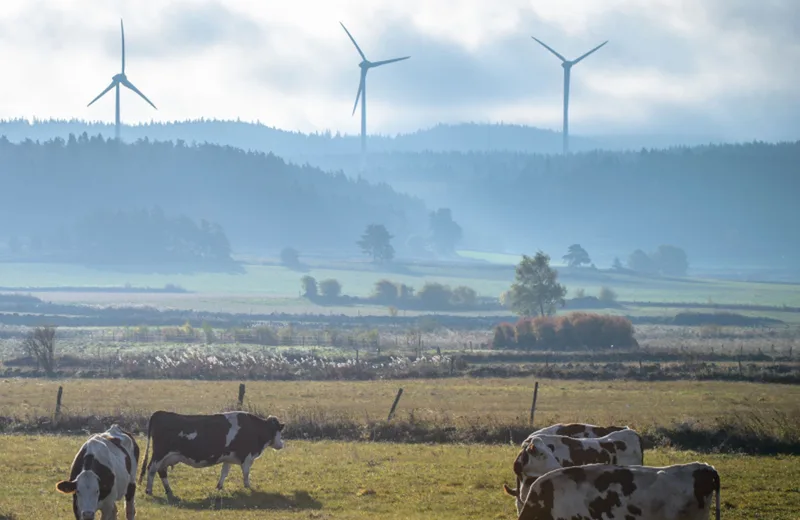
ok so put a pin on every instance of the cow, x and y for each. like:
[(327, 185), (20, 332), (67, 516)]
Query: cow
[(103, 471), (577, 430), (678, 492), (544, 453), (206, 440)]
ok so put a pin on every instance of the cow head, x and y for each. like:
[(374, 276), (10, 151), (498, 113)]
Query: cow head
[(535, 459), (273, 430), (89, 487)]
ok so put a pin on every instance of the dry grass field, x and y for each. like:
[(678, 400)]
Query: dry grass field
[(331, 480), (452, 400)]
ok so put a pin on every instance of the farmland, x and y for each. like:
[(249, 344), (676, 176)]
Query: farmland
[(446, 452), (376, 480)]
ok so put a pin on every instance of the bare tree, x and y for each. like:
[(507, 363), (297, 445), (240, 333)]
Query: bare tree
[(40, 344)]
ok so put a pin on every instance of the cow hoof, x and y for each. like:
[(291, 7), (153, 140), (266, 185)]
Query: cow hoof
[(172, 499)]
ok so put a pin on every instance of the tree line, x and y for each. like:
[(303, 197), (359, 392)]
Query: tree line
[(260, 200)]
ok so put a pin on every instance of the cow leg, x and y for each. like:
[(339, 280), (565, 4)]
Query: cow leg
[(109, 511), (226, 467), (130, 505), (151, 475), (248, 462), (165, 482)]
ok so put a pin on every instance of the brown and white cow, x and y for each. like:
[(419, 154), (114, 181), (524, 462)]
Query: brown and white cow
[(577, 430), (206, 440), (679, 492), (103, 471), (543, 453)]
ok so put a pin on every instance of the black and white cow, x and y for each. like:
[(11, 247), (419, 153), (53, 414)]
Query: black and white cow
[(103, 471), (206, 440)]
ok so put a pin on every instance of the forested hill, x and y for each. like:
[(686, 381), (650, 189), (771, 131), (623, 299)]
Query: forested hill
[(299, 147), (727, 204), (259, 200)]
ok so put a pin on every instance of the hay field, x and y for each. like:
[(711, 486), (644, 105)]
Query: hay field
[(452, 400)]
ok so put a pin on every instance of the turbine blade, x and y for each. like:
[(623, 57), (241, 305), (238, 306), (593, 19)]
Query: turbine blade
[(384, 62), (358, 94), (354, 42), (588, 53), (122, 31), (130, 85), (560, 57), (113, 83)]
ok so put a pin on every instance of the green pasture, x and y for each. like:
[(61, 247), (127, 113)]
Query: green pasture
[(334, 480), (277, 286)]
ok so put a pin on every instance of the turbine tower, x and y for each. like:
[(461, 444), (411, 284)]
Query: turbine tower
[(365, 65), (567, 64), (121, 79)]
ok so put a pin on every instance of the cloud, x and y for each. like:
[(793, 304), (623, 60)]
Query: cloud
[(724, 66)]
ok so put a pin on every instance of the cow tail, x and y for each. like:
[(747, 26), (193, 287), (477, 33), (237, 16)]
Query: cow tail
[(147, 449), (717, 493)]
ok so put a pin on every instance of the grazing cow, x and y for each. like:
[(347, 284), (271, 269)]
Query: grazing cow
[(679, 492), (103, 471), (577, 430), (544, 453), (206, 440)]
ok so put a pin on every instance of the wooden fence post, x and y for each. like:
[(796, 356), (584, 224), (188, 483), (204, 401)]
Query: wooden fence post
[(241, 394), (533, 404), (58, 401), (394, 405)]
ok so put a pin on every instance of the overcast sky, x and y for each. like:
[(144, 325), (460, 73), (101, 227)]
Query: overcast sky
[(722, 67)]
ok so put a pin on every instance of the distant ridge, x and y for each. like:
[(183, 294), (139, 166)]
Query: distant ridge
[(461, 137)]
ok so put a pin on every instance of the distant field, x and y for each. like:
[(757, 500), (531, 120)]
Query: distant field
[(326, 480), (269, 286), (446, 400)]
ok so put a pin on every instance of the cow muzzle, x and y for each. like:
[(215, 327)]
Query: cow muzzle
[(87, 515)]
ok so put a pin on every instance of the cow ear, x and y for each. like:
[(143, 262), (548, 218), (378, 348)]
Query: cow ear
[(67, 487)]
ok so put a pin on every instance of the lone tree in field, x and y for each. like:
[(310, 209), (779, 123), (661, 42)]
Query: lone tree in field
[(536, 289), (40, 344), (576, 256), (445, 232), (376, 242)]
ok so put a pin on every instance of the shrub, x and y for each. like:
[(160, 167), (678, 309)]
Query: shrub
[(434, 295), (385, 291), (464, 296), (607, 295), (330, 288), (309, 285), (577, 329), (504, 336), (290, 257)]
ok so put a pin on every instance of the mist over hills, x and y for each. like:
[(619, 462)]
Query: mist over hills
[(301, 147), (727, 205), (261, 202)]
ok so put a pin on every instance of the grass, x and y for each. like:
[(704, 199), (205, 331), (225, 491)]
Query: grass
[(326, 480), (455, 400), (262, 283)]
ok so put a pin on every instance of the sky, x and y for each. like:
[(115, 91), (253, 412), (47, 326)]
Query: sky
[(722, 68)]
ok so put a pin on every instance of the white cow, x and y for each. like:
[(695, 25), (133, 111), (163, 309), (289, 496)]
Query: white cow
[(103, 471), (679, 492), (543, 453)]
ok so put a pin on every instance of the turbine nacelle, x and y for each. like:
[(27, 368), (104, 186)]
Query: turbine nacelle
[(119, 78)]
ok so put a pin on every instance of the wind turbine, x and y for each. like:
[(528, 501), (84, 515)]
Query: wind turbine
[(362, 87), (567, 64), (121, 79)]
